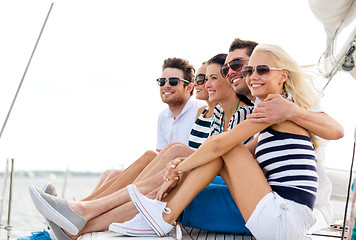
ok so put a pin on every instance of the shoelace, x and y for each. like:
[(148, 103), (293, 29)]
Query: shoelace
[(159, 204), (167, 210)]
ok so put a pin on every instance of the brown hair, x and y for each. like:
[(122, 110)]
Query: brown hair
[(182, 64), (241, 44)]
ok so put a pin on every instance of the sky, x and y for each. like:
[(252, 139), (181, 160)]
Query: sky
[(90, 102)]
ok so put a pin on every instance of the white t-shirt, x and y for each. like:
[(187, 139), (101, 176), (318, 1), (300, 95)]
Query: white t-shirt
[(177, 130)]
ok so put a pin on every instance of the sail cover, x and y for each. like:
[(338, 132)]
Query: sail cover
[(339, 20)]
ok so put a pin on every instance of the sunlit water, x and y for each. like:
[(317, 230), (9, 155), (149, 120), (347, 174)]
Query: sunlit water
[(24, 216)]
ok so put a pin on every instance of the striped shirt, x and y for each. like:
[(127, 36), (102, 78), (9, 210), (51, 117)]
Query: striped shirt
[(289, 164), (238, 117), (200, 131)]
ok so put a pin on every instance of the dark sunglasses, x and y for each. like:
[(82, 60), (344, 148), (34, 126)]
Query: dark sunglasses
[(235, 64), (200, 79), (262, 70), (173, 81)]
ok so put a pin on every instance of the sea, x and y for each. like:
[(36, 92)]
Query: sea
[(24, 217)]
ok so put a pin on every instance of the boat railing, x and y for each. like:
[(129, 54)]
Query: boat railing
[(7, 180)]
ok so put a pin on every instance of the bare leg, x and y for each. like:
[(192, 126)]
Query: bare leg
[(106, 176), (123, 179), (120, 214), (173, 151), (241, 173), (143, 169), (94, 208), (245, 179), (195, 181)]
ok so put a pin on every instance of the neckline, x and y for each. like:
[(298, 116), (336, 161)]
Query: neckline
[(223, 120)]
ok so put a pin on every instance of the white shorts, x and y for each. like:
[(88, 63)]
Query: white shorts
[(276, 218)]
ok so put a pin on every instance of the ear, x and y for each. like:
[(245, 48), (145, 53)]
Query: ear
[(284, 76), (189, 87)]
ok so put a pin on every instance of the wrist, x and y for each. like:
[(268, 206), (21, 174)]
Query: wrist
[(295, 113)]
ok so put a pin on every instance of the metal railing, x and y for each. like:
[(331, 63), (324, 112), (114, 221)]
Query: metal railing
[(9, 168)]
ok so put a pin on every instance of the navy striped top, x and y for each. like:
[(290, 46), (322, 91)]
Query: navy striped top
[(238, 117), (289, 164), (200, 131)]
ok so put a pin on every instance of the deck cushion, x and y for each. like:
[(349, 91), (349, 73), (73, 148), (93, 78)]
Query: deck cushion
[(214, 209)]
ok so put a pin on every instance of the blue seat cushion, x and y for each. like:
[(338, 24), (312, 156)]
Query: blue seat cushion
[(214, 209)]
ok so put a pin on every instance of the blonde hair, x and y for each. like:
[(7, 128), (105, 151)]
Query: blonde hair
[(299, 84)]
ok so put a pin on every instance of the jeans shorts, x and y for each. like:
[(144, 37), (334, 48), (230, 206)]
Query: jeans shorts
[(276, 218)]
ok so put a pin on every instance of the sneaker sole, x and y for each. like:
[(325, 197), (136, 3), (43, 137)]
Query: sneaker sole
[(131, 232), (50, 213), (133, 195)]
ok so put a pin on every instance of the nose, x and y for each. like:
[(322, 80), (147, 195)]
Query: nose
[(207, 84), (254, 74), (232, 72), (166, 84)]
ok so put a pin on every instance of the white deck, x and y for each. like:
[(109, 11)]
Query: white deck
[(196, 234)]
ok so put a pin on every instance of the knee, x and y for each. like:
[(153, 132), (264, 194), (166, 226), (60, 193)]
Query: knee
[(113, 173), (106, 174), (179, 150), (109, 174), (148, 156)]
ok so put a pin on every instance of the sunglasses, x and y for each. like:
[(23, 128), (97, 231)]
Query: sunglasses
[(262, 70), (173, 81), (235, 64), (200, 79)]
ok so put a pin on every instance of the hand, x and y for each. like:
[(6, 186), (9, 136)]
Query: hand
[(274, 109), (165, 188), (171, 172)]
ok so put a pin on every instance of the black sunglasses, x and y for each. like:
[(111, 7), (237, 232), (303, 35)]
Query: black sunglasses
[(173, 81), (235, 64), (200, 79), (262, 70)]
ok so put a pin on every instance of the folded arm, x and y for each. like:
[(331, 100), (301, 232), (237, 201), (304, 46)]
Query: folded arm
[(276, 109), (217, 146)]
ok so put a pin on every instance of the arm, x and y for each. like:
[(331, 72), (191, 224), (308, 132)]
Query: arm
[(276, 109), (217, 146)]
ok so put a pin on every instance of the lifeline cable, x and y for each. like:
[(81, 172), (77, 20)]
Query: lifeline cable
[(24, 74), (348, 189)]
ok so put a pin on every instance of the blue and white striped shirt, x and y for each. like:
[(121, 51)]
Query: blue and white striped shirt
[(289, 164), (238, 117), (200, 131)]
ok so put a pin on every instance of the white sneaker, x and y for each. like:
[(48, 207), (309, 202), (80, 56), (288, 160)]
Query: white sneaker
[(152, 210), (136, 227)]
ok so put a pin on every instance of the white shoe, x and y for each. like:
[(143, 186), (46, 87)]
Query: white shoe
[(152, 210), (136, 227)]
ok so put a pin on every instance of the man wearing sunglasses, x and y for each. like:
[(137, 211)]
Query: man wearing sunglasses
[(274, 109), (176, 90)]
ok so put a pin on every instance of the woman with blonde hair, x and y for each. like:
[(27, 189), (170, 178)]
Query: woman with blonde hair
[(272, 178)]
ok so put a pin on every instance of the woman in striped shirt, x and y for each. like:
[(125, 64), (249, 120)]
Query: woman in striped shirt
[(272, 179)]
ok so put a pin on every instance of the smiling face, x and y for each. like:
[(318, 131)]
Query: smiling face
[(218, 88), (174, 95), (235, 77), (269, 83), (200, 91)]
